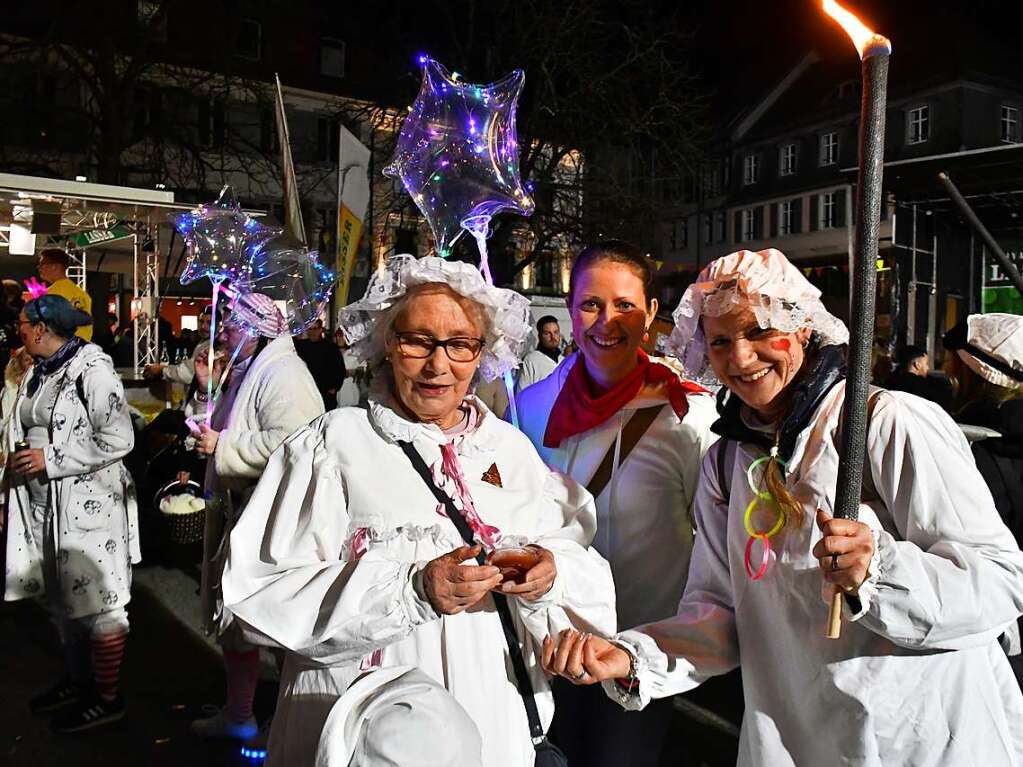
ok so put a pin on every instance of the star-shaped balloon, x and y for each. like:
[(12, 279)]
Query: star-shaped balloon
[(217, 236), (458, 153), (287, 272)]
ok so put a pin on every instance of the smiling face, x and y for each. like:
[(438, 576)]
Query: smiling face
[(432, 388), (757, 365), (610, 315)]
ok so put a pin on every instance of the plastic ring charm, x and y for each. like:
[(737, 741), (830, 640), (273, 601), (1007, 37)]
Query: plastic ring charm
[(747, 520), (765, 557)]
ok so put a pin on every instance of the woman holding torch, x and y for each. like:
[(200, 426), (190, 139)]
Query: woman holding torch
[(930, 575)]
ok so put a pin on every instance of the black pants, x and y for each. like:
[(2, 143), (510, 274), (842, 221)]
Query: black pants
[(595, 731)]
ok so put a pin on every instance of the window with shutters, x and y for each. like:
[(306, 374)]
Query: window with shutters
[(827, 211), (786, 217), (787, 160), (720, 226), (1009, 128), (680, 235), (750, 169), (829, 149), (918, 125), (748, 231), (708, 228), (332, 57)]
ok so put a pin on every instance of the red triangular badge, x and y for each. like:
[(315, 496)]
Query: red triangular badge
[(492, 476)]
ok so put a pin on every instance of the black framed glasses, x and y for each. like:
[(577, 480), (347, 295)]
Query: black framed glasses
[(420, 346)]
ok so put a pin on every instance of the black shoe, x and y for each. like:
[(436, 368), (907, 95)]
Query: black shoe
[(62, 694), (90, 712)]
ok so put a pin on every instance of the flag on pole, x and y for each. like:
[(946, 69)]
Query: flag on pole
[(353, 192), (293, 224)]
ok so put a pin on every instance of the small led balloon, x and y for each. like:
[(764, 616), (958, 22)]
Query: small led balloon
[(458, 155), (217, 236), (287, 272)]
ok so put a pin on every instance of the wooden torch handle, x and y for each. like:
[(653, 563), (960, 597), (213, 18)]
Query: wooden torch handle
[(835, 616)]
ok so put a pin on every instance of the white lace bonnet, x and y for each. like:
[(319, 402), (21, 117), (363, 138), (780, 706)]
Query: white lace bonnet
[(1000, 338), (507, 311), (764, 281)]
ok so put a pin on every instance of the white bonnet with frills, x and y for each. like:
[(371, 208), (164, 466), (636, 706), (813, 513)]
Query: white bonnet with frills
[(507, 312), (764, 282)]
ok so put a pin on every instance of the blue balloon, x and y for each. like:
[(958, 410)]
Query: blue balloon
[(458, 154)]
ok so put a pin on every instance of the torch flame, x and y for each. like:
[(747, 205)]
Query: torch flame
[(867, 42)]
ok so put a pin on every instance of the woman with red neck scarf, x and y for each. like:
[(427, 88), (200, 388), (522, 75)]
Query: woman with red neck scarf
[(632, 430)]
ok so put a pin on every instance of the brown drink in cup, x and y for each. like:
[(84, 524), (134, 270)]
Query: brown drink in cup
[(514, 562)]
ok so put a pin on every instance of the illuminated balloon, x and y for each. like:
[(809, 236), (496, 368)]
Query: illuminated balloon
[(285, 271), (217, 236), (458, 153)]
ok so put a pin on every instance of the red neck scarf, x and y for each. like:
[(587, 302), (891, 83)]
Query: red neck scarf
[(576, 410)]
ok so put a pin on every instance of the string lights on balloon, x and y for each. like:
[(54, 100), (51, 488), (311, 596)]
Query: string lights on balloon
[(457, 156)]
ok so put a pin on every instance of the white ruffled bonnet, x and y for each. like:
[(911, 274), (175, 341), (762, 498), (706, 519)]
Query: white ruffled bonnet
[(766, 282), (993, 348), (507, 311)]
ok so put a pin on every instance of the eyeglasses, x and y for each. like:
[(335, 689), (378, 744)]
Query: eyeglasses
[(420, 346)]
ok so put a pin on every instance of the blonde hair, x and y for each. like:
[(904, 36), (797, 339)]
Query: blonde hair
[(774, 478), (971, 387)]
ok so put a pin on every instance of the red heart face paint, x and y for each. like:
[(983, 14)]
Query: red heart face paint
[(755, 363)]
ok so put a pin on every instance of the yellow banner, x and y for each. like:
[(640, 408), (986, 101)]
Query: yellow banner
[(349, 231)]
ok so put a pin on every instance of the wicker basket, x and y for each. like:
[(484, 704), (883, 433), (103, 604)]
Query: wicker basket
[(182, 528)]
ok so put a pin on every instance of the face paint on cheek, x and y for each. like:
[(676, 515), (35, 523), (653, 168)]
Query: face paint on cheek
[(784, 345)]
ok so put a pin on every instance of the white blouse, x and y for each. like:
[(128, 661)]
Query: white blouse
[(324, 559)]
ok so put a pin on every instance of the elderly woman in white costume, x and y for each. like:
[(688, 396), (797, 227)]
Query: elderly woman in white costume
[(634, 431), (931, 575), (72, 524), (346, 557)]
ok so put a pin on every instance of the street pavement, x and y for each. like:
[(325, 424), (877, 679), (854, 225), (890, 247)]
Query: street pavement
[(169, 674)]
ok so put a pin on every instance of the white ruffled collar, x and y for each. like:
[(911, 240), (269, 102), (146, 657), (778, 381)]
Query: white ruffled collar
[(394, 426)]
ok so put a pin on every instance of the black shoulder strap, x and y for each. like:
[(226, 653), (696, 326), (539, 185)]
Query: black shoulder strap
[(500, 600), (634, 430), (80, 388), (726, 451)]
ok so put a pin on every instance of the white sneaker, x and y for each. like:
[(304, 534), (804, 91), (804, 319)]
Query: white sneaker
[(219, 726)]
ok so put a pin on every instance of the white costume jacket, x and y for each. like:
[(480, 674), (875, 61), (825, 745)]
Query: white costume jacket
[(324, 561), (917, 677), (644, 519), (277, 396), (91, 497)]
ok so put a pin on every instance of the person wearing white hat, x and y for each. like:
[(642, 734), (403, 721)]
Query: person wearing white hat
[(266, 394), (398, 716), (354, 551), (986, 365), (930, 575)]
